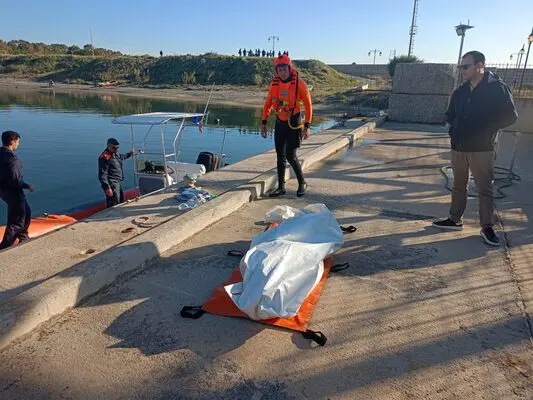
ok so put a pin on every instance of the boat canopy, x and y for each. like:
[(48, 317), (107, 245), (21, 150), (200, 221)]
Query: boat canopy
[(155, 118)]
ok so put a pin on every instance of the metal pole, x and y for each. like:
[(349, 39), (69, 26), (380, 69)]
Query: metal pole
[(461, 49), (517, 69), (222, 147), (524, 70), (411, 33), (459, 62), (164, 156), (134, 157), (374, 57), (92, 46), (207, 104), (274, 38)]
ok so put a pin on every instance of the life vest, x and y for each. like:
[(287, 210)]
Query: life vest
[(287, 107)]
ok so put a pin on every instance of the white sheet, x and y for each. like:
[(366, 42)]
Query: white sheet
[(284, 264)]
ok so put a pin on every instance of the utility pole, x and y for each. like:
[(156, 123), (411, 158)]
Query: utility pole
[(414, 28), (273, 38), (91, 35), (392, 54), (374, 51)]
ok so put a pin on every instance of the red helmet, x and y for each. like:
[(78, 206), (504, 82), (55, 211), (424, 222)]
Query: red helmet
[(282, 60)]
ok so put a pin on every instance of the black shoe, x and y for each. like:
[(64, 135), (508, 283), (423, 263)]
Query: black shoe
[(448, 224), (278, 192), (301, 189), (489, 236)]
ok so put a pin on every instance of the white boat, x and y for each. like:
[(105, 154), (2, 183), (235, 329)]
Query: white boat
[(157, 169)]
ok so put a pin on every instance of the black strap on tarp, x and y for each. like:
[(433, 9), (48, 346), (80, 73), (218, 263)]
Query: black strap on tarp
[(192, 312), (316, 336), (339, 267), (348, 229), (236, 253)]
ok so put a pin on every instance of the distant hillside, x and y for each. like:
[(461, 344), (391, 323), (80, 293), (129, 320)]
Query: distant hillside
[(23, 47), (167, 71)]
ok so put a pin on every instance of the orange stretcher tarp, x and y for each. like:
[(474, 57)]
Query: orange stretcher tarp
[(221, 304)]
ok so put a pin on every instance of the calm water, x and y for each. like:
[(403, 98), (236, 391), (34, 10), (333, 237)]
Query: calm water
[(63, 135)]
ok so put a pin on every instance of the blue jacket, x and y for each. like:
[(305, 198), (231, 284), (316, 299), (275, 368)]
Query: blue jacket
[(476, 116), (11, 180)]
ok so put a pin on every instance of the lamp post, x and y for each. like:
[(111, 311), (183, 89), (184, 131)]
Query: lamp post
[(273, 38), (518, 64), (530, 40), (374, 51), (460, 30)]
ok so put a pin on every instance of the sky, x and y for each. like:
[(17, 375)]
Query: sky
[(336, 32)]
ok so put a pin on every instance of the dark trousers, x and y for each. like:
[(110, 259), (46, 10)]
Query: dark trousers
[(18, 219), (287, 140), (118, 195)]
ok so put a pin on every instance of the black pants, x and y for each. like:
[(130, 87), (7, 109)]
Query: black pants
[(18, 218), (118, 195), (287, 140)]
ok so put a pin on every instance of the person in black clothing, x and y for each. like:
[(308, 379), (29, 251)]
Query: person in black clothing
[(12, 187), (110, 172), (478, 110)]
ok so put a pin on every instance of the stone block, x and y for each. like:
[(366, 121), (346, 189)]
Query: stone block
[(426, 109), (435, 79)]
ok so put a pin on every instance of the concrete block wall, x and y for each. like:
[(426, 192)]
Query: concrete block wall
[(525, 116), (420, 92), (363, 70)]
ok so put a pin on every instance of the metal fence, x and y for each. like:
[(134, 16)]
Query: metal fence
[(519, 80)]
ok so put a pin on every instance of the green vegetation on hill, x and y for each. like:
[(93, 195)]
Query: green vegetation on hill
[(168, 71), (29, 48)]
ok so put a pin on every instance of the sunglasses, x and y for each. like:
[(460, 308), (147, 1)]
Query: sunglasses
[(115, 147), (464, 66)]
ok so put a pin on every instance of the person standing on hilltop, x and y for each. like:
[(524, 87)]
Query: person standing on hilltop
[(12, 187), (286, 93)]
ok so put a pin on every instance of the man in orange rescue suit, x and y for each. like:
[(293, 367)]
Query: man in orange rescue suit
[(110, 172), (286, 93)]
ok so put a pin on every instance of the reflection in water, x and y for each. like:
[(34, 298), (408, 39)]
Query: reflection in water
[(115, 104), (64, 133)]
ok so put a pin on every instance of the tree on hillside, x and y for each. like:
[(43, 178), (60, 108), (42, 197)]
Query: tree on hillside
[(88, 50), (56, 48), (4, 48), (73, 50), (404, 60), (25, 47)]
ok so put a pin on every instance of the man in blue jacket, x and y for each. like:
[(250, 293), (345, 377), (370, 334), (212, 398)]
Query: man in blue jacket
[(478, 110), (12, 187)]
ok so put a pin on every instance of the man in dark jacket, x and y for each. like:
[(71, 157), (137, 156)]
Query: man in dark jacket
[(12, 187), (110, 172), (478, 110)]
